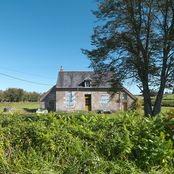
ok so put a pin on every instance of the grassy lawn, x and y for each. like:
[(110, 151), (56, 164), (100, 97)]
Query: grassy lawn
[(29, 107), (167, 103), (169, 96), (21, 107), (167, 109)]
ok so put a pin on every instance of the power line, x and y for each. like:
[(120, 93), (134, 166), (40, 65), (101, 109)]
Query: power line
[(27, 73), (20, 79)]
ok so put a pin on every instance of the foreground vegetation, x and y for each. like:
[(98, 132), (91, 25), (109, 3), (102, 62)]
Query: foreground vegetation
[(73, 143)]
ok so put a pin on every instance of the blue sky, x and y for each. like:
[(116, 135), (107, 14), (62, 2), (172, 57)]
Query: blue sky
[(39, 36)]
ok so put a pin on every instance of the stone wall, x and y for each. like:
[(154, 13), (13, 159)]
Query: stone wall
[(49, 100), (75, 101)]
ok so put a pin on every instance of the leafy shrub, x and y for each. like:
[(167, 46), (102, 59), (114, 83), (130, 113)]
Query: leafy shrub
[(138, 104), (85, 143)]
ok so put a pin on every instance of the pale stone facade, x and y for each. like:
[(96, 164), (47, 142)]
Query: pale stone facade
[(111, 103), (74, 92)]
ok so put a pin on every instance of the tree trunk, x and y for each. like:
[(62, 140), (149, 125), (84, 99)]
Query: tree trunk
[(157, 105), (147, 101), (147, 108)]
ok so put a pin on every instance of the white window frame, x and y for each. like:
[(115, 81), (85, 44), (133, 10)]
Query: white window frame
[(105, 98), (70, 99), (87, 83)]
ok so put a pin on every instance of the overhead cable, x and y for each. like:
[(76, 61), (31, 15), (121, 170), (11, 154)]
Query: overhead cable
[(27, 81)]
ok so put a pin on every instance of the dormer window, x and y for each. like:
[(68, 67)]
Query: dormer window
[(87, 83)]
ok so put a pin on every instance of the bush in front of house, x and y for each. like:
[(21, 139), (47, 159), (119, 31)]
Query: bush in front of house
[(85, 143)]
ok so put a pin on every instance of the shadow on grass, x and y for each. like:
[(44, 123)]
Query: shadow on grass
[(30, 110)]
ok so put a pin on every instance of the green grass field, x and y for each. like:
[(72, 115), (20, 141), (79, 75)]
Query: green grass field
[(167, 103), (21, 107), (169, 96), (30, 107), (167, 109)]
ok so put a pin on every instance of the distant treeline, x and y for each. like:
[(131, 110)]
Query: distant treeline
[(18, 95)]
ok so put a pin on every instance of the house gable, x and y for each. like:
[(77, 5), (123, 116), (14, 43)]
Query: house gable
[(48, 100)]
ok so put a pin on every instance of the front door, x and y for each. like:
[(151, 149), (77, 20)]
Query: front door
[(88, 102), (125, 106)]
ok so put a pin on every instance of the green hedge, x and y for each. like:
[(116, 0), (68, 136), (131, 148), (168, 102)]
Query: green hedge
[(85, 143)]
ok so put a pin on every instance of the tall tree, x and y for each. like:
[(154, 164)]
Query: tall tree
[(135, 39)]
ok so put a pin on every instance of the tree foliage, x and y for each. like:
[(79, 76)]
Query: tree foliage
[(17, 95), (135, 39)]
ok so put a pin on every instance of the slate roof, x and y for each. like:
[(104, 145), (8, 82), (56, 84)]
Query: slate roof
[(75, 79)]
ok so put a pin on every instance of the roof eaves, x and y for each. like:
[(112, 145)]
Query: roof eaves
[(45, 95), (129, 93)]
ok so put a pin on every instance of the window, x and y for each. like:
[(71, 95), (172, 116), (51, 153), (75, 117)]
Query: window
[(104, 99), (70, 99), (87, 83)]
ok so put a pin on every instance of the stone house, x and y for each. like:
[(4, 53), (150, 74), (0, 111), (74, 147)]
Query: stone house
[(77, 91)]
